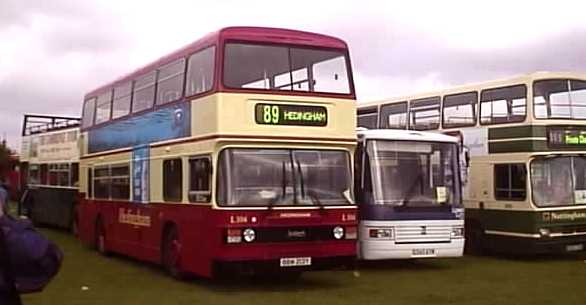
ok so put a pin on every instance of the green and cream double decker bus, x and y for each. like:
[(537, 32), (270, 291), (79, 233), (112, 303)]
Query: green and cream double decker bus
[(526, 138)]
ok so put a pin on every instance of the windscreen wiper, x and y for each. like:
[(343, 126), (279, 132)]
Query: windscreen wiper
[(283, 187), (315, 199), (301, 179), (412, 189)]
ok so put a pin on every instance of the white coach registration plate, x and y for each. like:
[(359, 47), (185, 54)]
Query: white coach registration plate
[(423, 252), (578, 247), (295, 261)]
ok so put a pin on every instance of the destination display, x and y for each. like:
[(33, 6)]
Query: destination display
[(566, 137), (280, 114)]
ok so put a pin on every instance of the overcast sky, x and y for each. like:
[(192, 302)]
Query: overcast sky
[(52, 52)]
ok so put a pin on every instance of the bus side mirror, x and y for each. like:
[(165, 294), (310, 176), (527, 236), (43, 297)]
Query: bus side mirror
[(465, 164)]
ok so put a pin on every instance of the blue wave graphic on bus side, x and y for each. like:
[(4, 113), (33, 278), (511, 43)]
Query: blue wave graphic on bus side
[(162, 124)]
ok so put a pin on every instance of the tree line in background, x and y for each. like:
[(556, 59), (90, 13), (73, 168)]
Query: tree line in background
[(5, 158)]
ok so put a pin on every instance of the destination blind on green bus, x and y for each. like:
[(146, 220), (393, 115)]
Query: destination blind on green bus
[(566, 137), (281, 114)]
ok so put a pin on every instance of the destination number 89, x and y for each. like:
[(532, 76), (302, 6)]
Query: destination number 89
[(270, 114)]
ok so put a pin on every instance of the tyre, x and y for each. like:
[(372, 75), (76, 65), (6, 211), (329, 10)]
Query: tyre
[(171, 254), (101, 238), (475, 240)]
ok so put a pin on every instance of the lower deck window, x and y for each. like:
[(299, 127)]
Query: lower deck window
[(172, 180), (510, 181), (112, 182)]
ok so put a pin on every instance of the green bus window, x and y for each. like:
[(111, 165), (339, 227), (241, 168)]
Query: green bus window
[(425, 113), (503, 105), (510, 182), (460, 110), (394, 116)]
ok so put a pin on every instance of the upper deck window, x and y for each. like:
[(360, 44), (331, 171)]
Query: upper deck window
[(368, 118), (144, 92), (121, 104), (394, 116), (104, 107), (503, 105), (559, 99), (200, 71), (170, 82), (460, 110), (425, 113), (89, 110), (250, 66)]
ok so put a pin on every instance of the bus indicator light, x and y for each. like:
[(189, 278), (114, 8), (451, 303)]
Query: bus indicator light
[(351, 233)]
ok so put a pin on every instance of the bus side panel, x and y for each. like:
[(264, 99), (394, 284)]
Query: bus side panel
[(87, 212)]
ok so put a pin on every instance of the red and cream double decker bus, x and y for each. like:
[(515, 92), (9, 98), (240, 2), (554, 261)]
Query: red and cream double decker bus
[(233, 152)]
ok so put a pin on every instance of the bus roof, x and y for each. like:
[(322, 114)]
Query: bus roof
[(253, 34), (405, 135), (519, 79)]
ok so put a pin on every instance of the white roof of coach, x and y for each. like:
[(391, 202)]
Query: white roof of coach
[(406, 135)]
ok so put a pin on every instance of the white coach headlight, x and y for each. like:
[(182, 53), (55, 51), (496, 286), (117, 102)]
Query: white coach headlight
[(338, 232), (249, 235)]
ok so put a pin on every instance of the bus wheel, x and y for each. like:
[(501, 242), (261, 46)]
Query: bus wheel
[(75, 227), (101, 238), (474, 243), (172, 254)]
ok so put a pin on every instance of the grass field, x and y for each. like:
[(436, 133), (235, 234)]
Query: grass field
[(471, 280)]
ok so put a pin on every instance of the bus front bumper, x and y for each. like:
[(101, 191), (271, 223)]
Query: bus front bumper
[(544, 245), (380, 250)]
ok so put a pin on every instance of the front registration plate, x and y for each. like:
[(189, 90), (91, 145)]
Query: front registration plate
[(295, 261), (572, 248), (423, 252)]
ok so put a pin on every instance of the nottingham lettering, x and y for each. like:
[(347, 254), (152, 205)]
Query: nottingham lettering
[(567, 216)]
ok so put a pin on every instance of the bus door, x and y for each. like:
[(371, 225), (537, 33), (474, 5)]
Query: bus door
[(134, 217)]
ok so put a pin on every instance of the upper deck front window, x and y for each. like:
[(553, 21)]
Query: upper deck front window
[(269, 67), (559, 99)]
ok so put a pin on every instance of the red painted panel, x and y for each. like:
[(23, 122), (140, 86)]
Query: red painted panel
[(137, 230)]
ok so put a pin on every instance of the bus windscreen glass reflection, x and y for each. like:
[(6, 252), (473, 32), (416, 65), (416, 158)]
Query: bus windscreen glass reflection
[(281, 177), (409, 173)]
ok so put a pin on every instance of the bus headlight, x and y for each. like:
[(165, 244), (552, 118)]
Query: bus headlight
[(249, 235), (544, 232), (338, 232), (457, 232), (381, 233)]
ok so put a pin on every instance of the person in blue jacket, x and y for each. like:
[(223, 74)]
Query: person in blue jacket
[(8, 293)]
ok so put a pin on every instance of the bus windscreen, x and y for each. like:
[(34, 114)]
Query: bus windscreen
[(410, 173), (283, 177), (558, 181)]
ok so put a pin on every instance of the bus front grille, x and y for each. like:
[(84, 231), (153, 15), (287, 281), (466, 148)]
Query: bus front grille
[(422, 234)]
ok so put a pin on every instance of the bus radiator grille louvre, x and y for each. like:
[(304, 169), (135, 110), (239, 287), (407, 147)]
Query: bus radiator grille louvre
[(422, 234)]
